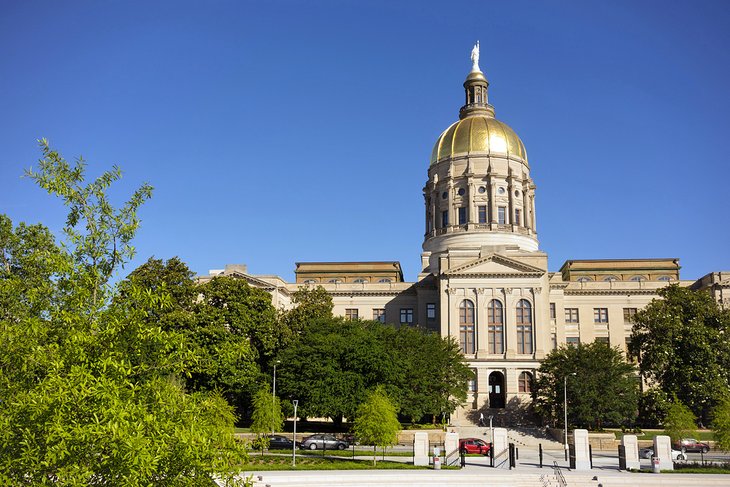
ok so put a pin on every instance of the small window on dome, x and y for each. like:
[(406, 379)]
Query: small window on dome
[(444, 195), (461, 191), (482, 189), (517, 192), (501, 190)]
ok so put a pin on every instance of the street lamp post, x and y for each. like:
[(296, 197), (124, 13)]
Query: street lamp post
[(273, 399), (294, 446), (565, 412)]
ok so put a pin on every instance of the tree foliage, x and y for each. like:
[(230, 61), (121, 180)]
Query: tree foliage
[(90, 390), (721, 424), (376, 421), (267, 416), (335, 362), (604, 388), (679, 422), (681, 341), (230, 325)]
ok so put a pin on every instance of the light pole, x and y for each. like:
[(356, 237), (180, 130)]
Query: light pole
[(294, 446), (273, 399), (565, 412)]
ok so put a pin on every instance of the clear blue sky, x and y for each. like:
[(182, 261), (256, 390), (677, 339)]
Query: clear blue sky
[(285, 131)]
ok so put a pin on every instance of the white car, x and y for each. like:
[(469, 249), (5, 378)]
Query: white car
[(649, 452)]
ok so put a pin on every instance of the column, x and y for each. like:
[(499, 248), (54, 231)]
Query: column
[(510, 325)]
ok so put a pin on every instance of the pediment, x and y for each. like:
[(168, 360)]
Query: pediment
[(495, 265)]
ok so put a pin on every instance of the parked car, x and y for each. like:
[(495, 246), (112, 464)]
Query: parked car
[(322, 441), (649, 452), (690, 444), (474, 445), (278, 442), (350, 439)]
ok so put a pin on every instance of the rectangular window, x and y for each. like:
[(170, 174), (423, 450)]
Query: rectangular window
[(518, 215), (472, 384), (431, 311), (629, 315), (571, 315), (379, 315), (482, 214), (552, 311), (572, 340), (600, 315), (351, 313), (406, 316), (462, 215), (524, 339), (603, 340), (444, 218), (501, 217), (554, 339)]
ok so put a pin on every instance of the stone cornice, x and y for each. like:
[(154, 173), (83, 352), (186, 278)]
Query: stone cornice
[(373, 293), (611, 292), (495, 275)]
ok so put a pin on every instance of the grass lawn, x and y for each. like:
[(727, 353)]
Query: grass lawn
[(276, 462), (344, 453)]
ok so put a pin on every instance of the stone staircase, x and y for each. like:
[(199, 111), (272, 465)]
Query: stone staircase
[(524, 436)]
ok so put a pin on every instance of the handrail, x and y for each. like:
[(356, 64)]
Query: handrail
[(559, 475)]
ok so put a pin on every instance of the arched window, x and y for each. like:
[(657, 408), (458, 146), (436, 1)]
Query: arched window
[(466, 326), (385, 280), (638, 278), (584, 279), (310, 281), (495, 327), (360, 281), (335, 281), (524, 326), (524, 382), (664, 278), (610, 278)]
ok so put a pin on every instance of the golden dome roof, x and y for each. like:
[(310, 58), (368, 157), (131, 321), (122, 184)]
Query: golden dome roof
[(478, 133)]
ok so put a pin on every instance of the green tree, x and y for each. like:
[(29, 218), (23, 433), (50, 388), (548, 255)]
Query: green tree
[(90, 392), (721, 424), (310, 306), (430, 376), (604, 388), (267, 416), (376, 421), (681, 343), (334, 362), (679, 422)]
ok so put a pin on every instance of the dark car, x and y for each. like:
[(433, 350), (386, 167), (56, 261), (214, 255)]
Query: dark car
[(322, 441), (690, 444), (278, 442), (474, 445)]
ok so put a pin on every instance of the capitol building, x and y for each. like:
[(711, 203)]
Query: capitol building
[(484, 280)]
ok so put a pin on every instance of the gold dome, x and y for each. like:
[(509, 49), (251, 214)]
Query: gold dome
[(478, 134)]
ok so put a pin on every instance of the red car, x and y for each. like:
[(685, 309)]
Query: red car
[(474, 445), (690, 444)]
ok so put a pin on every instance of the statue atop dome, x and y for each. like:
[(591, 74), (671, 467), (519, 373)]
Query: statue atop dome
[(475, 58)]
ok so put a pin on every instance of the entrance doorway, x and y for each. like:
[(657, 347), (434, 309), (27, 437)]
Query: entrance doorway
[(496, 390)]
